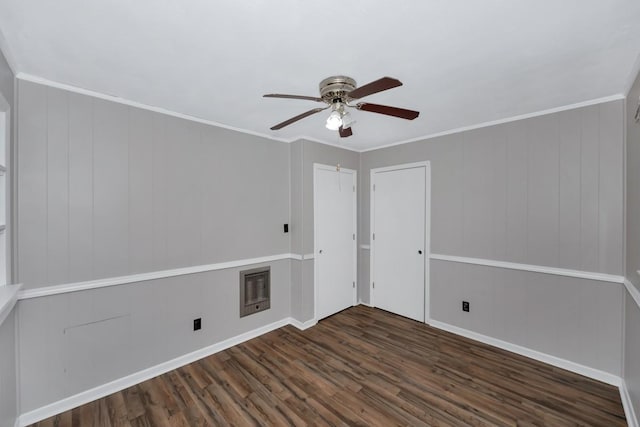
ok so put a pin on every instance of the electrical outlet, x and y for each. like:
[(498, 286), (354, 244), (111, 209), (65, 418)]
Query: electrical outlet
[(465, 306), (286, 228), (197, 324)]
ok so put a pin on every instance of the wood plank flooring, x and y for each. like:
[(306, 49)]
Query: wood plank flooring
[(362, 366)]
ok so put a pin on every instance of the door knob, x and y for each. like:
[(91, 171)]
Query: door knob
[(320, 251), (420, 252)]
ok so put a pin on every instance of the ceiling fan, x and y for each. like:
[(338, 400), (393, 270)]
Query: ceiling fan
[(338, 92)]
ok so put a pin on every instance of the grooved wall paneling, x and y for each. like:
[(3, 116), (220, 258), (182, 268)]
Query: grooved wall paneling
[(544, 191), (70, 343), (570, 318), (108, 190), (632, 312), (8, 392), (632, 350)]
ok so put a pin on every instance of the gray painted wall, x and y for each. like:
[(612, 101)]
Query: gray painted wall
[(8, 383), (72, 342), (7, 79), (545, 191), (633, 187), (107, 190), (573, 319), (632, 313), (632, 351), (295, 228)]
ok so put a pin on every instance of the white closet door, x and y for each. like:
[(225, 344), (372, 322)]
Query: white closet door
[(335, 245), (398, 241)]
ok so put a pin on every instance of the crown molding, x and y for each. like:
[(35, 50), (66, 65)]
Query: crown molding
[(587, 103), (113, 98), (75, 89)]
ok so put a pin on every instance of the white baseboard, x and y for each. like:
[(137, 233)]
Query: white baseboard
[(146, 374), (627, 404), (360, 302), (138, 377), (596, 374), (302, 325)]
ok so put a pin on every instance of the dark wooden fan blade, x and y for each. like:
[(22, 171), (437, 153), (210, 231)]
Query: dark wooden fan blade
[(375, 87), (279, 95), (389, 111), (298, 117), (345, 132)]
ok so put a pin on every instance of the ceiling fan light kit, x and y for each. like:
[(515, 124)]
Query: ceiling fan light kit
[(337, 92), (334, 121)]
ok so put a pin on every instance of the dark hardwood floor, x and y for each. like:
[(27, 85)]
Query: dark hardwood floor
[(359, 367)]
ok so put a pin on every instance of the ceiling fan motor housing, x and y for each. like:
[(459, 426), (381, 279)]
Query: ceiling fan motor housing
[(335, 89)]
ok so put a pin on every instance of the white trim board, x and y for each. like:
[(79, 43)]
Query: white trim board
[(502, 121), (40, 80), (113, 98), (530, 267), (596, 374), (146, 374), (8, 299), (302, 325), (154, 275), (627, 404)]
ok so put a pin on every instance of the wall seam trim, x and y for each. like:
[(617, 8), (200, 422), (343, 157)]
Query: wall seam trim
[(8, 299), (142, 277), (531, 268), (633, 291), (627, 404)]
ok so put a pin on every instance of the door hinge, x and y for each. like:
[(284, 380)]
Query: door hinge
[(354, 284), (354, 236), (374, 236), (374, 187), (374, 284), (354, 188)]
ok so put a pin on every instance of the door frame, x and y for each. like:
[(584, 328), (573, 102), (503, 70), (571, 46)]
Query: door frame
[(354, 248), (427, 230)]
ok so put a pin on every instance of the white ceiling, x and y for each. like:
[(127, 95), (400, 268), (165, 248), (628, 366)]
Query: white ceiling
[(462, 62)]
